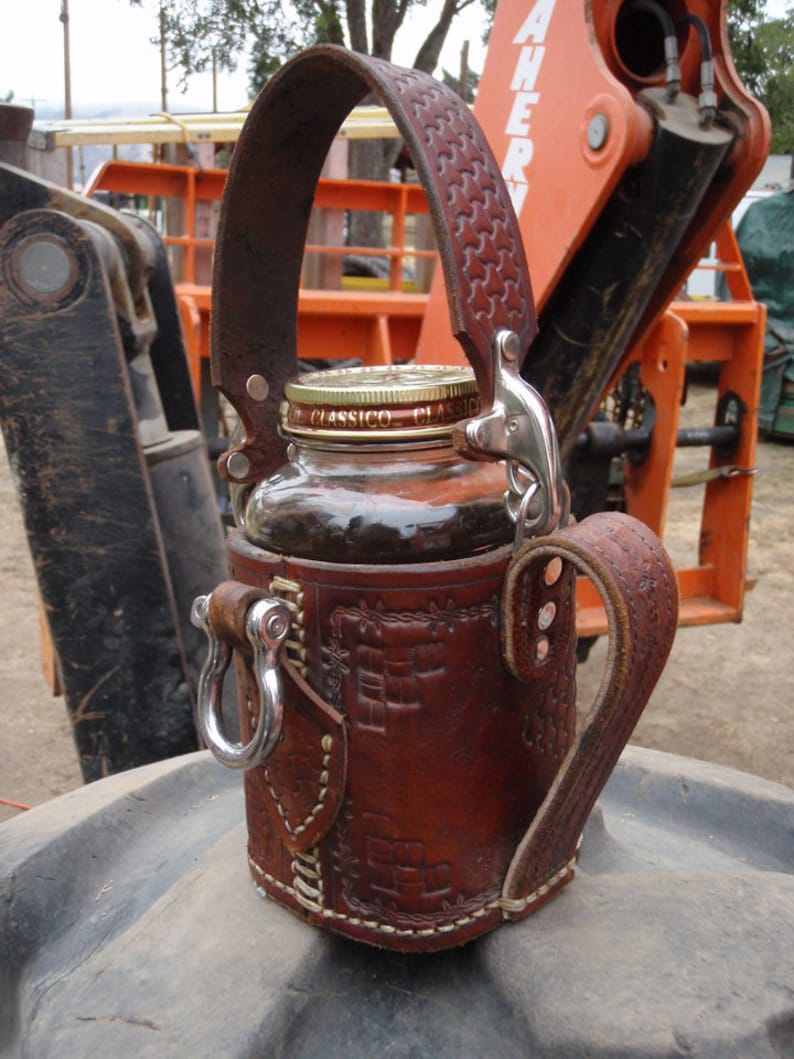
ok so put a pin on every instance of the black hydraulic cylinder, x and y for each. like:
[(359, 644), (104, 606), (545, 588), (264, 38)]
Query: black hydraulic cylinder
[(102, 429), (591, 318), (610, 439)]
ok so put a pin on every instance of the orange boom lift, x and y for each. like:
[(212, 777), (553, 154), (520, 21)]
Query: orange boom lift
[(626, 140)]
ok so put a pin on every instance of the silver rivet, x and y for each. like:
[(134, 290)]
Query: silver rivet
[(238, 465), (276, 626), (546, 615), (510, 345), (256, 386), (597, 131)]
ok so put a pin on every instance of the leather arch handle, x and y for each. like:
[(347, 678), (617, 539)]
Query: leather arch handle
[(265, 214), (638, 586)]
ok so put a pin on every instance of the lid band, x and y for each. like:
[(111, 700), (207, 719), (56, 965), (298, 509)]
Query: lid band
[(380, 404)]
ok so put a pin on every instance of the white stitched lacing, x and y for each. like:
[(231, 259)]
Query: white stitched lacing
[(307, 891)]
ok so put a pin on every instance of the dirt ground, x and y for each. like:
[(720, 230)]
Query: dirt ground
[(726, 696)]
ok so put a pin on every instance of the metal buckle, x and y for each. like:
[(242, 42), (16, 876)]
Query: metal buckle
[(519, 430)]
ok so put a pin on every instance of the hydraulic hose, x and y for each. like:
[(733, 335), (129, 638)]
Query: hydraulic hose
[(672, 68), (707, 100)]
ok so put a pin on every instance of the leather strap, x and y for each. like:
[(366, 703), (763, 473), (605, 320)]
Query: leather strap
[(266, 207), (638, 587)]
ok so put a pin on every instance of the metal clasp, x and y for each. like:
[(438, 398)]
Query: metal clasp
[(267, 624), (518, 429)]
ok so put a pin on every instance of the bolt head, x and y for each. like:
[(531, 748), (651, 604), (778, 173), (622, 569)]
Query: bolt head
[(43, 270), (238, 465), (597, 131), (510, 345), (276, 626)]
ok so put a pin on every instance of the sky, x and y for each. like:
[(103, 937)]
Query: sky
[(113, 59)]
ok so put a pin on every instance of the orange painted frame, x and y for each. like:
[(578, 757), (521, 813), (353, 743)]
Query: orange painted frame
[(551, 67), (377, 327), (730, 334), (380, 327), (191, 185)]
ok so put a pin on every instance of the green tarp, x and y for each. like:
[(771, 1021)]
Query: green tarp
[(766, 238)]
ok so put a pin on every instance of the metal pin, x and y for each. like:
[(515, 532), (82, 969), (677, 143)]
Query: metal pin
[(597, 131), (238, 465), (256, 386)]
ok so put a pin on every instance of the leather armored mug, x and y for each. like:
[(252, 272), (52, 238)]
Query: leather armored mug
[(401, 608)]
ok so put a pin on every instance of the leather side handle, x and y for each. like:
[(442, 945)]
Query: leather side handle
[(265, 214), (638, 586)]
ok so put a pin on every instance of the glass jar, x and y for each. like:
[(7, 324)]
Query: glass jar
[(372, 475)]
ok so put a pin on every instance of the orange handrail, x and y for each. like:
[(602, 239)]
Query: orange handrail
[(382, 325), (191, 185)]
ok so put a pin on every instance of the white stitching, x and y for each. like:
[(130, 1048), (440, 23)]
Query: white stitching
[(326, 743), (504, 903), (305, 868), (518, 904), (282, 587)]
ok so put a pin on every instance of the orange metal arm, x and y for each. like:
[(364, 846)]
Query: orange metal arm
[(561, 102)]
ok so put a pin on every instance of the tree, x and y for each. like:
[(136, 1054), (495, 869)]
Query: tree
[(776, 83), (200, 33), (195, 36), (467, 90), (763, 53), (744, 18)]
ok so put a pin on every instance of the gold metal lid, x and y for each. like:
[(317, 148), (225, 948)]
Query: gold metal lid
[(398, 402)]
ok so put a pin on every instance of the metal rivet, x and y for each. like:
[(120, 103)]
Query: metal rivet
[(276, 626), (256, 386), (542, 648), (597, 131), (45, 266), (510, 345), (553, 571), (238, 465), (546, 615)]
